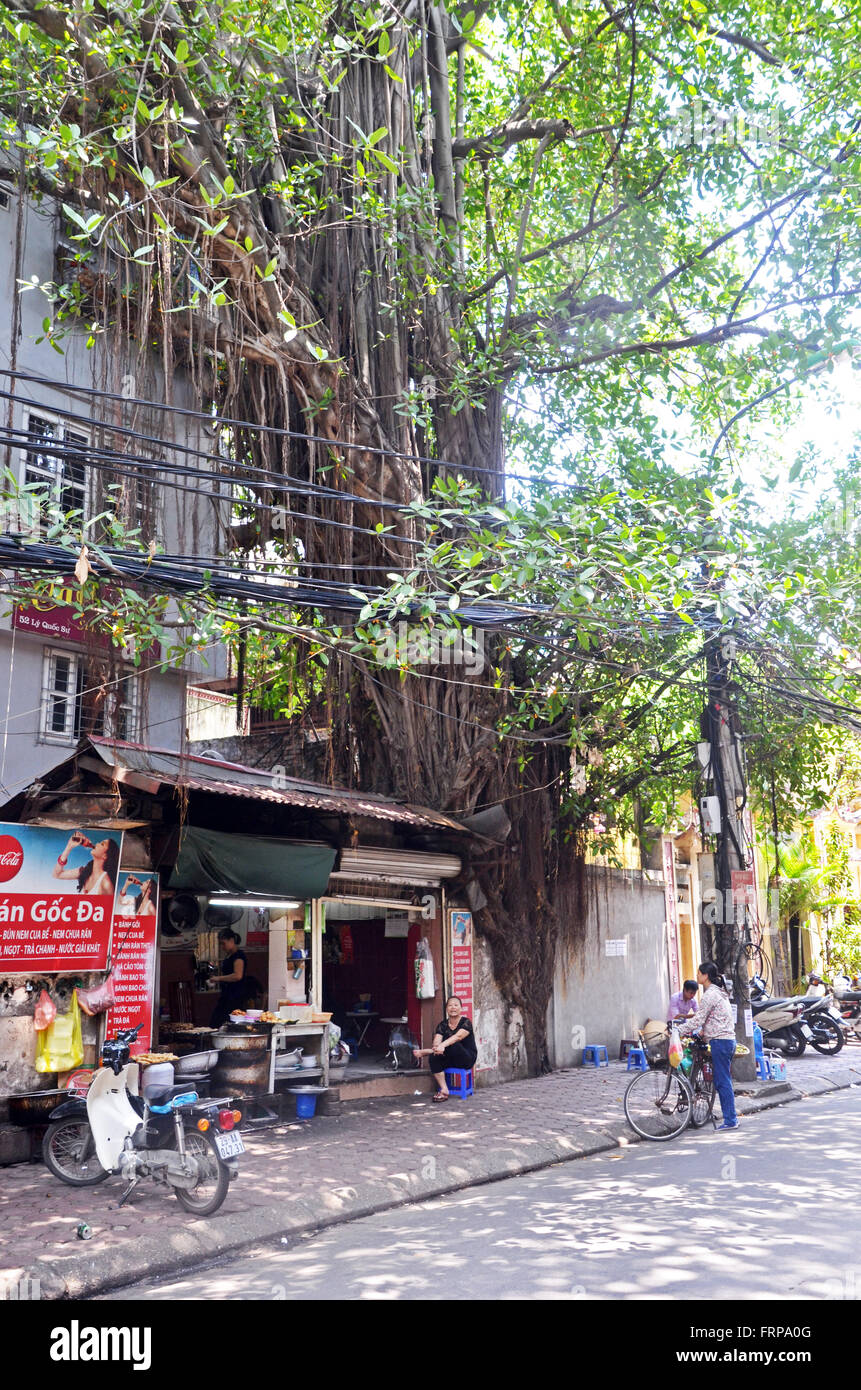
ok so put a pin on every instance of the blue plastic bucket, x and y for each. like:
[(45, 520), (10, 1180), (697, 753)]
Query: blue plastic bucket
[(306, 1107)]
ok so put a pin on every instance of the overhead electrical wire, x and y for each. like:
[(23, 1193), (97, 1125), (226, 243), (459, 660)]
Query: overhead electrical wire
[(281, 431)]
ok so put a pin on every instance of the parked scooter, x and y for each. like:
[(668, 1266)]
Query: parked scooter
[(848, 1004), (779, 1020), (813, 1022), (169, 1135)]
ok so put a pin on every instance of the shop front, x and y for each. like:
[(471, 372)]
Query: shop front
[(265, 937)]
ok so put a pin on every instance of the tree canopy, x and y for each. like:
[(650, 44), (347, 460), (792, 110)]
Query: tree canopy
[(496, 297)]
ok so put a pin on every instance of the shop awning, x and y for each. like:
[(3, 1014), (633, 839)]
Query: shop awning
[(210, 861)]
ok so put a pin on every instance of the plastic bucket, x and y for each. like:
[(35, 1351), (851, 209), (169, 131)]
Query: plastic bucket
[(306, 1107)]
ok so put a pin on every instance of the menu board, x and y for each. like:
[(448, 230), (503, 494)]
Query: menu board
[(134, 956), (461, 958)]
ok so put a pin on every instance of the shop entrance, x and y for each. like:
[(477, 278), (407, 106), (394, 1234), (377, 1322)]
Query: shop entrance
[(368, 979)]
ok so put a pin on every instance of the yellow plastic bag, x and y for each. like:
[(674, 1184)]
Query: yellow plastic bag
[(676, 1051), (60, 1047)]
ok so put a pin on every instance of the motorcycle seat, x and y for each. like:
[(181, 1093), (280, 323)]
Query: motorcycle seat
[(161, 1095)]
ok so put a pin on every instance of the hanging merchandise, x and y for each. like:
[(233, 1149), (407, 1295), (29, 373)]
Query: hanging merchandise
[(425, 987), (60, 1047), (98, 999), (46, 1012), (347, 954)]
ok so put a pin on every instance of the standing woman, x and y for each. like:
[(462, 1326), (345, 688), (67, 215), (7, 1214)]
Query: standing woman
[(234, 986), (100, 875), (713, 1020), (454, 1045)]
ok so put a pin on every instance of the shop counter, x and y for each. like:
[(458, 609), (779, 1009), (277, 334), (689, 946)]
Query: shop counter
[(283, 1038)]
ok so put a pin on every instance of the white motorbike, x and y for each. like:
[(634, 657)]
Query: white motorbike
[(170, 1135)]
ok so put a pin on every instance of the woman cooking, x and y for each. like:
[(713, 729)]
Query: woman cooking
[(100, 874), (234, 986), (453, 1045)]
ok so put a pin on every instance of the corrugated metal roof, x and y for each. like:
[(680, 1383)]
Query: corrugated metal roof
[(232, 779)]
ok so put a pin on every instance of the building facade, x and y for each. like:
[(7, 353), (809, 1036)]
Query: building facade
[(95, 425)]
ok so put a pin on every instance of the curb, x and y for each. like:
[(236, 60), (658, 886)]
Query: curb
[(88, 1273)]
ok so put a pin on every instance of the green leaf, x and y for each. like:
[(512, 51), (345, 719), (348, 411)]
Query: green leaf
[(182, 51), (385, 161), (393, 75)]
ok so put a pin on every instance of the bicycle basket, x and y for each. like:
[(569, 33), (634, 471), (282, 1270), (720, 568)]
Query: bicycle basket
[(656, 1048)]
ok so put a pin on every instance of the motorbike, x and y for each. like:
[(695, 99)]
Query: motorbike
[(778, 1019), (168, 1134), (848, 1005), (793, 1023)]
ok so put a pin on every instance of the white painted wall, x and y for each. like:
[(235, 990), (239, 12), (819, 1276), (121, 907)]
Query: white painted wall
[(599, 998)]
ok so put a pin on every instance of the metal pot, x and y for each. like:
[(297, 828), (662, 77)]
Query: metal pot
[(196, 1063), (35, 1109), (243, 1063)]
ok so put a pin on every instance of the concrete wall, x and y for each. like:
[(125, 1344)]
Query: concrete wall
[(600, 998), (498, 1026)]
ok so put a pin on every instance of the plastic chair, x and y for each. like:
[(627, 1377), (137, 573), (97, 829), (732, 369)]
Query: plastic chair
[(592, 1055), (459, 1082), (637, 1060)]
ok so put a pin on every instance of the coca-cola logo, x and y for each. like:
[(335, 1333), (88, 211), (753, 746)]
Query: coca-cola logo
[(11, 857)]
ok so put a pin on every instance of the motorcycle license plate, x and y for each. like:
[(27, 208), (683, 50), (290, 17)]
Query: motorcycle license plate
[(229, 1145), (807, 1031)]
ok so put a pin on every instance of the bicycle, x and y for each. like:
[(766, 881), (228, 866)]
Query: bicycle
[(660, 1103)]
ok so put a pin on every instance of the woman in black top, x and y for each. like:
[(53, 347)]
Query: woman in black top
[(234, 986), (454, 1045)]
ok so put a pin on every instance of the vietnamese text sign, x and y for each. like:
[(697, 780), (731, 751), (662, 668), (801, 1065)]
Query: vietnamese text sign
[(61, 620), (57, 891), (461, 958), (135, 938)]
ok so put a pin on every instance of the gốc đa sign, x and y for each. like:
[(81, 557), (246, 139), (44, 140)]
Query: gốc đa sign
[(57, 893)]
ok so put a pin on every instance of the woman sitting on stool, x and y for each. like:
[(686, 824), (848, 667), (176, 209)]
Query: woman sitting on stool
[(454, 1045)]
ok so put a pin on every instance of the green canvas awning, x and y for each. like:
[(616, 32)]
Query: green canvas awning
[(211, 862)]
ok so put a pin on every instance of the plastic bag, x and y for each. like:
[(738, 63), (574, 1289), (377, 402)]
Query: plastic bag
[(676, 1051), (425, 985), (98, 999), (46, 1012), (60, 1047)]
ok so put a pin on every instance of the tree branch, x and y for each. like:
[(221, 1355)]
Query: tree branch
[(498, 141)]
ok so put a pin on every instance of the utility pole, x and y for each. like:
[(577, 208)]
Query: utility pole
[(721, 814)]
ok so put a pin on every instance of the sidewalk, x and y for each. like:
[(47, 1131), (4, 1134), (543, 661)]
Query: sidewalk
[(301, 1177)]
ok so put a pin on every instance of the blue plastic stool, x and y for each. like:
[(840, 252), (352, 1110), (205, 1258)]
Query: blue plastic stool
[(592, 1057), (459, 1082), (636, 1060)]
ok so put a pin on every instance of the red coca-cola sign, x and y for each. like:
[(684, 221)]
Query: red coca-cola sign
[(11, 857)]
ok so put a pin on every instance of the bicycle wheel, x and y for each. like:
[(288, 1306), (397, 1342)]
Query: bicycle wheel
[(658, 1104), (703, 1096)]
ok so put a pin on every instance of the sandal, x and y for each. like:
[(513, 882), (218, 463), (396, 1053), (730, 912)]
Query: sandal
[(442, 1095)]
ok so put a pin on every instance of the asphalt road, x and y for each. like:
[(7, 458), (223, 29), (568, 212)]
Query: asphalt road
[(769, 1211)]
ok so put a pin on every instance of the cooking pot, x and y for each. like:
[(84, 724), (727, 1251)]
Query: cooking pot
[(196, 1063), (35, 1109)]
